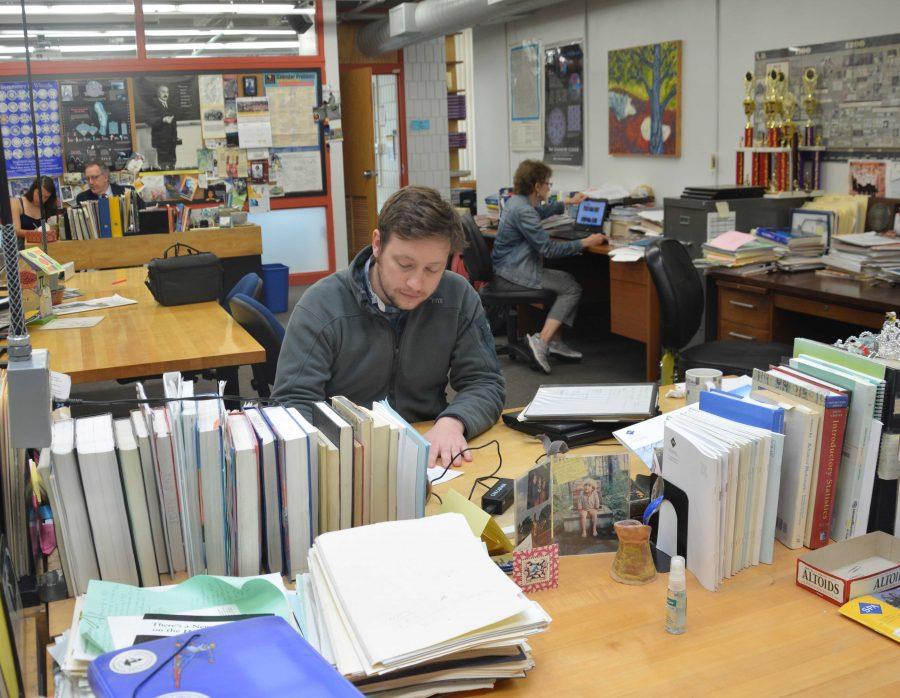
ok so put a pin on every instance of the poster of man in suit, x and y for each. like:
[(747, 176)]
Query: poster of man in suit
[(167, 112)]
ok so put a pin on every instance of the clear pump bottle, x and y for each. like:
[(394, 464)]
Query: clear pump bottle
[(676, 598)]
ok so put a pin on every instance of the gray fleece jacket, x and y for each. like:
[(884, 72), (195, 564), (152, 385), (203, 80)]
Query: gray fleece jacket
[(338, 343)]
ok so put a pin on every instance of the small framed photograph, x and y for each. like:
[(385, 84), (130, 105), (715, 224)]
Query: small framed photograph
[(806, 221), (249, 86)]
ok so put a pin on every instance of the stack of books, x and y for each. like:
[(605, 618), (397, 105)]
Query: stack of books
[(456, 106), (864, 254), (188, 487), (108, 217), (457, 139), (737, 249), (797, 251), (417, 608)]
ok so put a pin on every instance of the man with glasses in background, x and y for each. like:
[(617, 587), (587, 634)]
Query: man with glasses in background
[(97, 176)]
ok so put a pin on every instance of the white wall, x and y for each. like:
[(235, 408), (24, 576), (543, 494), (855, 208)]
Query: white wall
[(425, 85), (719, 39)]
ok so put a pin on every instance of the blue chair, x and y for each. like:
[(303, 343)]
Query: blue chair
[(264, 327), (250, 285)]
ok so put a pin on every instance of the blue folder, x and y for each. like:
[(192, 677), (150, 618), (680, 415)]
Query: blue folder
[(753, 414), (255, 657)]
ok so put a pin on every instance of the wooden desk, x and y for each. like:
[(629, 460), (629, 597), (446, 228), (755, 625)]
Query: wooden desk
[(134, 250), (634, 305), (780, 306), (145, 338), (759, 634)]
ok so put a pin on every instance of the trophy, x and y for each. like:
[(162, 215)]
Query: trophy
[(749, 109), (770, 100), (789, 137), (811, 167)]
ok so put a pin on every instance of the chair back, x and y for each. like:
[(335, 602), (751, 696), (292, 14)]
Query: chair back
[(264, 327), (680, 291), (476, 257), (249, 285)]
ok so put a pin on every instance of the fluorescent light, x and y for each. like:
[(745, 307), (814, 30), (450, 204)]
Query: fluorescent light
[(228, 46), (218, 32), (67, 33), (192, 8), (95, 47), (94, 9)]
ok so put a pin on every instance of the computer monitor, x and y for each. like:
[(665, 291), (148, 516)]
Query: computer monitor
[(591, 214)]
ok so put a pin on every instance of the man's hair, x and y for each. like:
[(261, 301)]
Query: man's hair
[(529, 174), (104, 168), (417, 213)]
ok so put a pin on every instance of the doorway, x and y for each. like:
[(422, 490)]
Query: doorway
[(386, 129)]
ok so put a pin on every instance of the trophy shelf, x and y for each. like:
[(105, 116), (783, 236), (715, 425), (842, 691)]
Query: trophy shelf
[(762, 149)]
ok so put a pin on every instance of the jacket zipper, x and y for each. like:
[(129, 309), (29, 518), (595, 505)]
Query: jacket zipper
[(392, 390)]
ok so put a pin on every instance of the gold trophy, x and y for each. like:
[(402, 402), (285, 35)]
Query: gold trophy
[(770, 98), (811, 180), (810, 103), (749, 106)]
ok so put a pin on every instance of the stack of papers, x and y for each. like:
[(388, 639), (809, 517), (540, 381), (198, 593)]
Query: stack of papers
[(867, 254), (736, 249), (417, 607), (603, 402)]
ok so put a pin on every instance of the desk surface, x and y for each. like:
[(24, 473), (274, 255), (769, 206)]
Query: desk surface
[(808, 284), (759, 633), (145, 338)]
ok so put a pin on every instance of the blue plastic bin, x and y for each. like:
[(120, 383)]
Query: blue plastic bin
[(275, 287)]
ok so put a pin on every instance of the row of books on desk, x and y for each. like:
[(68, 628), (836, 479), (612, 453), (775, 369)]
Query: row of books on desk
[(189, 487), (809, 455), (107, 217)]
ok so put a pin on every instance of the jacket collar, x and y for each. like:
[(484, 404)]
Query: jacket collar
[(357, 283)]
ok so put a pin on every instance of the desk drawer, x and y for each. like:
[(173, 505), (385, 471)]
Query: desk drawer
[(733, 330), (831, 311), (745, 308)]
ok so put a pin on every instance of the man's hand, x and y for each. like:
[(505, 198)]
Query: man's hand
[(447, 440), (168, 119)]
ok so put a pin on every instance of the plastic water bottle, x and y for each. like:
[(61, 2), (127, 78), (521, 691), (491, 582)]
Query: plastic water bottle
[(676, 598)]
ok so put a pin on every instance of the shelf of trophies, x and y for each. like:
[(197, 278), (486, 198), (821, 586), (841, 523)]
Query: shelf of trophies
[(784, 157)]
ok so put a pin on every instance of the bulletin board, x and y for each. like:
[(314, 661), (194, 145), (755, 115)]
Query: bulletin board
[(857, 91)]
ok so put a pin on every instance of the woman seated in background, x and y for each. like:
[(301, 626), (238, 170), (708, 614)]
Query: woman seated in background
[(519, 252), (27, 211)]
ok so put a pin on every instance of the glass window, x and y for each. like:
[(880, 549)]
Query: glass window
[(68, 30), (228, 28)]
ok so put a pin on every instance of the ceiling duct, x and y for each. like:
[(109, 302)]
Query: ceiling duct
[(411, 22)]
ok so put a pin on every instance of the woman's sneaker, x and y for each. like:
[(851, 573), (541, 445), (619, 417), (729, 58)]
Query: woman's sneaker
[(539, 351), (559, 348)]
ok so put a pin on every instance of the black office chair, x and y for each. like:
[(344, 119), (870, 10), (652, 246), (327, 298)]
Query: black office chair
[(681, 308), (264, 327), (477, 260)]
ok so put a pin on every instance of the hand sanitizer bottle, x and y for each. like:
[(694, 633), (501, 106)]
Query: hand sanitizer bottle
[(676, 598)]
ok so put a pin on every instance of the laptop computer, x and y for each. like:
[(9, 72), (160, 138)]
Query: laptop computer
[(588, 220)]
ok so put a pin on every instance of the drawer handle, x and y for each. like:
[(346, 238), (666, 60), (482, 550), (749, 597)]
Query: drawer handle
[(740, 304), (738, 335)]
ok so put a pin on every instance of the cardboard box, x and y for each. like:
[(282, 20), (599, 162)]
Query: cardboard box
[(854, 567)]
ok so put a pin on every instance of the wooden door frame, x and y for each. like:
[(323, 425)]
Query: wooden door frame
[(397, 69)]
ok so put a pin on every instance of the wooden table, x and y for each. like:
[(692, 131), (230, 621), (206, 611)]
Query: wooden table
[(779, 306), (759, 634), (134, 250), (145, 338)]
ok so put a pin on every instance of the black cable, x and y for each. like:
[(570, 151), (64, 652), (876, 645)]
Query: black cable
[(478, 480)]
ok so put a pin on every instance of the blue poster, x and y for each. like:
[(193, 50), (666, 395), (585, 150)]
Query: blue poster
[(18, 132)]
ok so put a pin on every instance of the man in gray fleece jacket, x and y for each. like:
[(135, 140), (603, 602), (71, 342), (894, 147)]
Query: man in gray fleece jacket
[(397, 325)]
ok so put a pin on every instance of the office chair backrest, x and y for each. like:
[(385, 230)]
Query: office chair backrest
[(476, 256), (679, 289), (264, 327), (249, 285)]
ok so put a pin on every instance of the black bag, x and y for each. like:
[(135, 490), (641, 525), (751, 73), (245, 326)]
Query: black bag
[(193, 277)]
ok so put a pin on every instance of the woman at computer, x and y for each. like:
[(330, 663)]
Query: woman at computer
[(519, 252), (28, 210)]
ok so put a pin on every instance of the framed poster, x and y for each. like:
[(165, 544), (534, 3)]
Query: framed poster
[(525, 97), (19, 131), (167, 115), (96, 122), (563, 105)]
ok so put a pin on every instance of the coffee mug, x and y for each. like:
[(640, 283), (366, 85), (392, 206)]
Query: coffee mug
[(699, 379)]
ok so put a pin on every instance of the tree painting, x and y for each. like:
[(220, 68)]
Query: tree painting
[(645, 100)]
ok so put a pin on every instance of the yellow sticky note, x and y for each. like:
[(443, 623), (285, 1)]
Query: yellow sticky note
[(481, 523)]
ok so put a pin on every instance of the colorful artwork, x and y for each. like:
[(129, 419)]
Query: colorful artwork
[(868, 177), (563, 100), (536, 569), (645, 100)]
